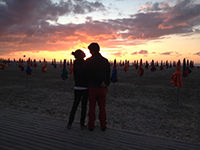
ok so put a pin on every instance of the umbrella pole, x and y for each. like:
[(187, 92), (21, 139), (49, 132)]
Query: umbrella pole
[(26, 82), (64, 87), (178, 96)]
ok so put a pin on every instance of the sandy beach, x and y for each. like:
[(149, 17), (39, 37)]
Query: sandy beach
[(144, 104)]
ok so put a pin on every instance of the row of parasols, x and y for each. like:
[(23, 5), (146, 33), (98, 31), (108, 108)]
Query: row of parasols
[(153, 66)]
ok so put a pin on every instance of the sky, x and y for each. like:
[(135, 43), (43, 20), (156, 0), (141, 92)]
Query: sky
[(124, 29)]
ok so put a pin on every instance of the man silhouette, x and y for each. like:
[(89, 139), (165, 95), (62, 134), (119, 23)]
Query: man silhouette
[(98, 74)]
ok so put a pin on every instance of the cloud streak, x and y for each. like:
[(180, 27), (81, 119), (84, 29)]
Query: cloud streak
[(166, 53), (134, 53), (198, 53), (142, 52)]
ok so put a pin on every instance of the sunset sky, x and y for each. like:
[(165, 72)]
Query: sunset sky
[(124, 29)]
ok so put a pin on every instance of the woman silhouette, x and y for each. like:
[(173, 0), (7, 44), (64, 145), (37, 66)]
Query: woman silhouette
[(80, 89)]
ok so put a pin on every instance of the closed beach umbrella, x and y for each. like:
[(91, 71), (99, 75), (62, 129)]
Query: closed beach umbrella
[(34, 63), (170, 64), (176, 79), (28, 68), (147, 65), (54, 63), (136, 66), (161, 65), (2, 65), (61, 65), (44, 67), (140, 70), (185, 70), (21, 67), (114, 72), (153, 67), (188, 67), (174, 64), (126, 66), (191, 64), (71, 67), (167, 64), (64, 74)]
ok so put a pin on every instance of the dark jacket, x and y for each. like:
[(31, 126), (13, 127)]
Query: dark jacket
[(79, 70), (98, 71)]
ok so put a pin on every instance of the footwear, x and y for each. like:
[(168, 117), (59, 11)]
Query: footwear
[(90, 129), (103, 128), (82, 127), (69, 126)]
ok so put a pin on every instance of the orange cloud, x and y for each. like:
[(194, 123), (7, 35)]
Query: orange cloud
[(161, 26)]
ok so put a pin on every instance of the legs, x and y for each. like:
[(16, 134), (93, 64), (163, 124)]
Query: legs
[(77, 97), (92, 106), (102, 107), (97, 95), (84, 101)]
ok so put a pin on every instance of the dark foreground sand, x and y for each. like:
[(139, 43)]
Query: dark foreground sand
[(144, 104)]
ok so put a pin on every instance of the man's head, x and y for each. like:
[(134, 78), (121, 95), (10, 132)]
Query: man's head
[(94, 48)]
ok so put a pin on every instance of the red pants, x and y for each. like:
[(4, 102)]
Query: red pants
[(97, 95)]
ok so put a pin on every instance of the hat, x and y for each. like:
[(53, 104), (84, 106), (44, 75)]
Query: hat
[(78, 54)]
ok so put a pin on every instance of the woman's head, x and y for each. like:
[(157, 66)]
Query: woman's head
[(78, 54)]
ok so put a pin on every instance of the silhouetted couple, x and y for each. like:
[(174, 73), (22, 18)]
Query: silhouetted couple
[(92, 77)]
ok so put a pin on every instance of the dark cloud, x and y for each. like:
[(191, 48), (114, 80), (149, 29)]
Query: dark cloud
[(198, 53), (153, 7), (134, 53), (166, 53), (33, 14), (143, 52), (117, 54), (177, 54), (177, 19)]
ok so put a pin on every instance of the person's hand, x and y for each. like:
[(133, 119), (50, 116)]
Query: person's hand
[(103, 85)]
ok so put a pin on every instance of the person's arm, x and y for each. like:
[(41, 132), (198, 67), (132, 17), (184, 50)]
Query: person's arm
[(107, 73), (87, 70), (74, 71)]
